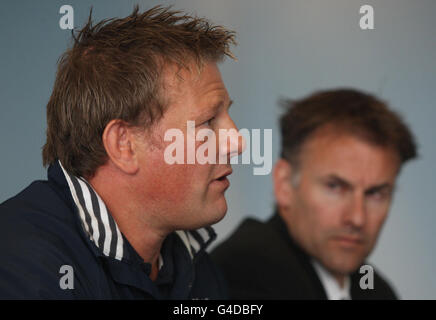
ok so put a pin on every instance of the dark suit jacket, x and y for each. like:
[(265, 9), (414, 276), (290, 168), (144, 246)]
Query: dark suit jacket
[(261, 261)]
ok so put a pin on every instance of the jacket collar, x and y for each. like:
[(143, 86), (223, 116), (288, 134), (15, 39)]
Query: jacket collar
[(314, 284), (100, 227)]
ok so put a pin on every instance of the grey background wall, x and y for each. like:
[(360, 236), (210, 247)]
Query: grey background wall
[(287, 48)]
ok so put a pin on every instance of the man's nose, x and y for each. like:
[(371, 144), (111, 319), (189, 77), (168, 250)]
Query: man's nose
[(356, 213), (231, 142)]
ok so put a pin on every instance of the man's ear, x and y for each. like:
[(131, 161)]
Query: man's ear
[(119, 142), (283, 188)]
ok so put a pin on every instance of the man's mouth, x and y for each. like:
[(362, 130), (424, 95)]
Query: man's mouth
[(221, 180), (224, 174), (348, 241)]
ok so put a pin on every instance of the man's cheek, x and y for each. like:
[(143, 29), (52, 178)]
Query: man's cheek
[(176, 185)]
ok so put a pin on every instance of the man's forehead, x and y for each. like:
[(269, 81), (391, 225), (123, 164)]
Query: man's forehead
[(349, 157), (182, 85), (174, 75), (329, 139)]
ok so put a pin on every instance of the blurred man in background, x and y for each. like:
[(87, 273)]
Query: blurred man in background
[(342, 151)]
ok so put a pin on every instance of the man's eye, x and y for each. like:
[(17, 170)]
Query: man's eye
[(333, 185), (378, 194), (208, 122)]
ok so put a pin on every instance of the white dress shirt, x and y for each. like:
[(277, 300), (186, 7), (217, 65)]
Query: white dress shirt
[(331, 285)]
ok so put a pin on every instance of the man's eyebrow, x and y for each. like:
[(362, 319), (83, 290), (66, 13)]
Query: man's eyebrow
[(379, 187), (219, 104), (340, 180), (348, 185), (212, 110)]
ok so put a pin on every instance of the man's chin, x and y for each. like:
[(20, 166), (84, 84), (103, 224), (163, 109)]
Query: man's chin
[(219, 217), (345, 268), (216, 212)]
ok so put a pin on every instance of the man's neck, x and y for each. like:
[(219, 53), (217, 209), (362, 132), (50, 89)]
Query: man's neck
[(145, 237), (154, 270), (340, 279), (337, 287)]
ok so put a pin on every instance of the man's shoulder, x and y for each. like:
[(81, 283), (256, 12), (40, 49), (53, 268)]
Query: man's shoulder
[(40, 195), (242, 237), (259, 262), (38, 235), (371, 284), (36, 212), (252, 239)]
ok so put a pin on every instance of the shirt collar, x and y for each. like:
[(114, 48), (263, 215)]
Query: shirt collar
[(104, 232), (331, 285)]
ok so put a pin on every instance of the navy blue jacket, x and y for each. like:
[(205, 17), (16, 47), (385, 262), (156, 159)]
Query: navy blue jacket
[(40, 231)]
